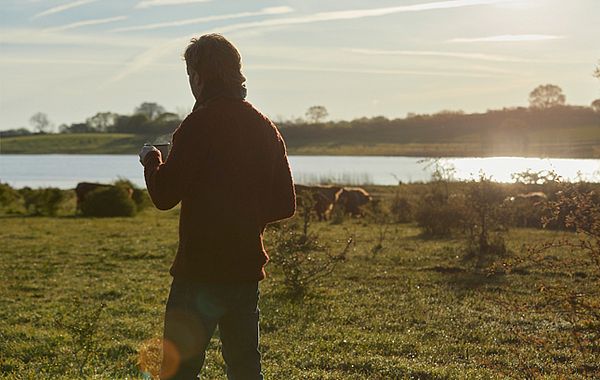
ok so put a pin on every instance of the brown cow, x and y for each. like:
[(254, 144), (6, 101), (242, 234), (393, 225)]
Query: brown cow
[(84, 188), (526, 209), (324, 197), (351, 198)]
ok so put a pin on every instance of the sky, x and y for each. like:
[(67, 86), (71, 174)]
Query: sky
[(73, 58)]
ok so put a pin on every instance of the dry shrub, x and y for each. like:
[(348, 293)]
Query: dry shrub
[(574, 208), (83, 330), (578, 209), (401, 209), (486, 219), (302, 258)]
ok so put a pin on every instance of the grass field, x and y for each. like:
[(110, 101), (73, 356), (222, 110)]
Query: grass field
[(76, 143), (413, 310), (583, 142)]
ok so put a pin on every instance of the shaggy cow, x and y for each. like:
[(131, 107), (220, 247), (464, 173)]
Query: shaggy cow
[(84, 188), (351, 198), (526, 208), (324, 197)]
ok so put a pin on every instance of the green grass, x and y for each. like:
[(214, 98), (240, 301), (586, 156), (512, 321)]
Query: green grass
[(415, 310), (581, 142), (76, 143)]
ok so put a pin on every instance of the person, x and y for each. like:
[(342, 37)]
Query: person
[(229, 169)]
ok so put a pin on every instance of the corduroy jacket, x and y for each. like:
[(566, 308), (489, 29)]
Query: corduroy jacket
[(229, 169)]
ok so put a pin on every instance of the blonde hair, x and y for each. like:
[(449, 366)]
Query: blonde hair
[(214, 58)]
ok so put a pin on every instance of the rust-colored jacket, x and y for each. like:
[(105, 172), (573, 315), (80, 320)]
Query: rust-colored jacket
[(228, 166)]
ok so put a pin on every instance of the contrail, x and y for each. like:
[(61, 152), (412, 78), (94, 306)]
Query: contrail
[(372, 71), (154, 3), (359, 13), (262, 12), (420, 53), (510, 38), (62, 8), (155, 53), (79, 24)]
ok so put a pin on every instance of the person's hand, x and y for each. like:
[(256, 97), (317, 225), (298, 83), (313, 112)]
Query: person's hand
[(145, 150)]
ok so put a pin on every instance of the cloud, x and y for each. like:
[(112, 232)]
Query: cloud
[(79, 24), (159, 51), (445, 73), (510, 38), (262, 12), (146, 58), (362, 13), (154, 3), (447, 54), (62, 8), (358, 13)]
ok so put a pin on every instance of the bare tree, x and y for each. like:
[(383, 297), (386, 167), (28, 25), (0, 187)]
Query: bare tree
[(151, 110), (40, 123), (597, 71), (316, 114), (546, 96)]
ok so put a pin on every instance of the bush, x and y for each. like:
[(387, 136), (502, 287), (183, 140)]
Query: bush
[(108, 201), (10, 199), (42, 202), (139, 196), (576, 208), (485, 218), (302, 258), (401, 209), (439, 215), (525, 213)]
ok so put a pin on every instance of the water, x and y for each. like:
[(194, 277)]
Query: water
[(65, 171)]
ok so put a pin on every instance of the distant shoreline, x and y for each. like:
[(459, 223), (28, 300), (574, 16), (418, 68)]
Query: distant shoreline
[(119, 143)]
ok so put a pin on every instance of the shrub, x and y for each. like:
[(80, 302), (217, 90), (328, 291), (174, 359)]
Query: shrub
[(401, 209), (139, 196), (439, 215), (108, 201), (82, 330), (525, 213), (379, 216), (302, 258), (42, 202), (485, 218), (10, 199), (577, 208)]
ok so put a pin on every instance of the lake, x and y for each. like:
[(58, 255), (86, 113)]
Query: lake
[(65, 171)]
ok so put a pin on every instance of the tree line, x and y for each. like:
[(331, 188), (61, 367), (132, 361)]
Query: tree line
[(147, 119), (547, 106)]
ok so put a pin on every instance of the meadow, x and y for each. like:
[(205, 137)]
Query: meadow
[(548, 145), (84, 298), (75, 143)]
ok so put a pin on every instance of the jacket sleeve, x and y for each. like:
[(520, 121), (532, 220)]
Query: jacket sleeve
[(165, 181), (282, 201)]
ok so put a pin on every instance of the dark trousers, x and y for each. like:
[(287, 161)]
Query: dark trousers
[(193, 312)]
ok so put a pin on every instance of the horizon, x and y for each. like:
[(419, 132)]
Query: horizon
[(97, 56)]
